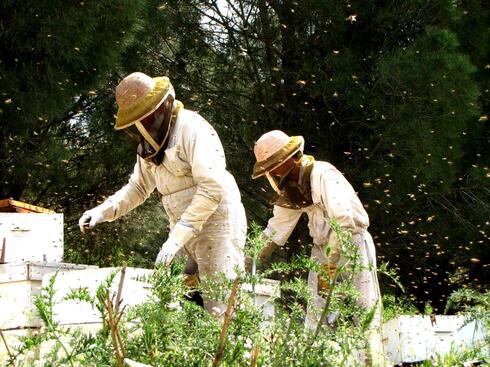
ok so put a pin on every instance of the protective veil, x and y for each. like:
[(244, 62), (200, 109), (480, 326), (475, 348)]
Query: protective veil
[(292, 193)]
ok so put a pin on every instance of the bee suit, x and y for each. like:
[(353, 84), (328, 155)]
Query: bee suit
[(181, 156), (323, 193)]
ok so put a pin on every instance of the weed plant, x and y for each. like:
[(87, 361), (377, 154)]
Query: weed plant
[(168, 329)]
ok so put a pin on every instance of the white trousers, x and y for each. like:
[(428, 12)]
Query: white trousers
[(366, 282), (217, 250)]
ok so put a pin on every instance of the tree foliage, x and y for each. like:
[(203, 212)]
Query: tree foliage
[(394, 93)]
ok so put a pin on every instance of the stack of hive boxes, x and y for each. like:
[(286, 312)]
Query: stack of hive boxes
[(31, 246), (417, 338)]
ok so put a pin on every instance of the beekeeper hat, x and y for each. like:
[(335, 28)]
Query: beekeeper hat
[(273, 149), (138, 96)]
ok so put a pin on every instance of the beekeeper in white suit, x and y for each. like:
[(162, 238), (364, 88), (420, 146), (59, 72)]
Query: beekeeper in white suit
[(318, 189), (179, 154)]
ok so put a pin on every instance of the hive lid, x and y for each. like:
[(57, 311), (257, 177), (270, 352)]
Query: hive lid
[(14, 206)]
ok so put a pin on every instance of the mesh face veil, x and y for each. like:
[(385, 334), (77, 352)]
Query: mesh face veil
[(152, 131), (277, 181)]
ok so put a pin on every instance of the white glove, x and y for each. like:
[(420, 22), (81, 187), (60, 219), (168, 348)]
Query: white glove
[(177, 238), (90, 219), (167, 253)]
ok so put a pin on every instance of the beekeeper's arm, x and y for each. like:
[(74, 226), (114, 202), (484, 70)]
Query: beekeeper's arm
[(141, 184), (278, 230), (204, 152), (342, 205)]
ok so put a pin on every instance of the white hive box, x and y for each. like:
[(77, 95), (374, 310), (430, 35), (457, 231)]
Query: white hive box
[(80, 315), (135, 290), (263, 294), (19, 284), (451, 333), (409, 339), (29, 233)]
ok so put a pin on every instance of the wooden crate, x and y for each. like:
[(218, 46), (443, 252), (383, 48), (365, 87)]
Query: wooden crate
[(19, 283), (31, 237)]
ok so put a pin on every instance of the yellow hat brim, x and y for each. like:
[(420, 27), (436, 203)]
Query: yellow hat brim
[(128, 116), (293, 146)]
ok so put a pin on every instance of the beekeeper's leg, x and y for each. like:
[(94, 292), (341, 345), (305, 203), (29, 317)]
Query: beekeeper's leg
[(367, 284), (221, 252), (319, 285), (191, 277)]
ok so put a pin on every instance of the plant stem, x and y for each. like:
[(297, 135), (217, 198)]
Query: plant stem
[(52, 326), (118, 335), (11, 357), (226, 323), (325, 310), (286, 336), (255, 355), (112, 326), (119, 290)]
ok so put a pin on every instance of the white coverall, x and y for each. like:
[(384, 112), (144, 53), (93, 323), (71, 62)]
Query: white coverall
[(196, 191), (333, 198)]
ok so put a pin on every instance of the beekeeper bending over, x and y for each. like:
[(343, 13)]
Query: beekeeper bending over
[(318, 189), (179, 154)]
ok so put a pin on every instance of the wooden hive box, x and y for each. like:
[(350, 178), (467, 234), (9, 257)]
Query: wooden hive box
[(411, 339), (19, 284), (135, 290), (29, 233)]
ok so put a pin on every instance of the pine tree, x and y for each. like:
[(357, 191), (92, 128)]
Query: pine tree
[(54, 55)]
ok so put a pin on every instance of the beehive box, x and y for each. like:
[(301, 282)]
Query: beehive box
[(29, 233), (409, 339), (19, 283), (135, 290), (451, 333), (263, 294), (80, 315)]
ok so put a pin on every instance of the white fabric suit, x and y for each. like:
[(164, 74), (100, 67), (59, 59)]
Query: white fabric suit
[(333, 198), (196, 191)]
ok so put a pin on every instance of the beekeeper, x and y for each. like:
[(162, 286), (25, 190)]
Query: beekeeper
[(318, 189), (179, 154)]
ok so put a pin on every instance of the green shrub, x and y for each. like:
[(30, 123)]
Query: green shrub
[(170, 330)]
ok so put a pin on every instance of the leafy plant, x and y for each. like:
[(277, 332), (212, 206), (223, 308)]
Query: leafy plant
[(458, 357), (473, 303), (168, 329), (394, 307)]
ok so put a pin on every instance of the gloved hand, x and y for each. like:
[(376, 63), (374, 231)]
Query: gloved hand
[(177, 238), (167, 253), (90, 219)]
